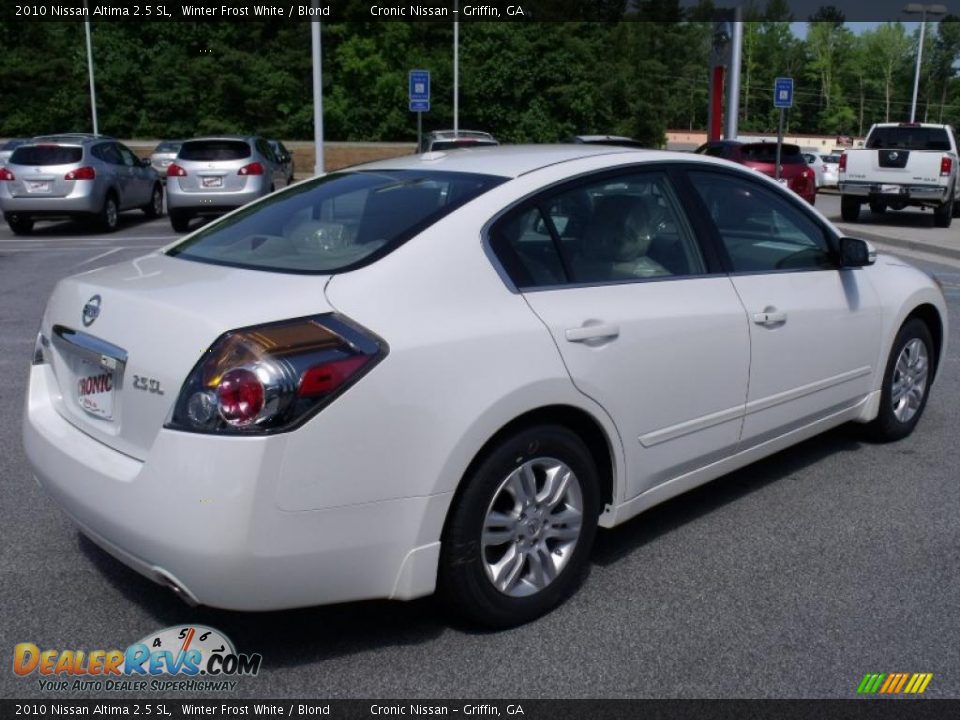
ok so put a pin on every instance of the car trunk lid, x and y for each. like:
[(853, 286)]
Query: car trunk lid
[(122, 339)]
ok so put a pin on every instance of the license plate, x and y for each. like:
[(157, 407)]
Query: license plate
[(891, 189), (38, 185), (212, 182), (95, 386)]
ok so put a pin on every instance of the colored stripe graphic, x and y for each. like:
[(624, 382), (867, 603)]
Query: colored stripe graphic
[(894, 683)]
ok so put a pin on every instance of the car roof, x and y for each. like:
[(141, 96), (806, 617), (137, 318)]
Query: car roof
[(77, 138), (205, 138), (516, 160)]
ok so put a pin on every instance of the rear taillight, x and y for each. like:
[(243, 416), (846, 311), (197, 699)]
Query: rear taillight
[(5, 174), (842, 165), (174, 170), (83, 173), (946, 165), (273, 377), (253, 168)]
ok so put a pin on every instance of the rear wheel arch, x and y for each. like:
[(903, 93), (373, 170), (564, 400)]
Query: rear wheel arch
[(575, 419)]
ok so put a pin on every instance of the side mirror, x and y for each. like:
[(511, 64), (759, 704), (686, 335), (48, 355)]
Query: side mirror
[(855, 252)]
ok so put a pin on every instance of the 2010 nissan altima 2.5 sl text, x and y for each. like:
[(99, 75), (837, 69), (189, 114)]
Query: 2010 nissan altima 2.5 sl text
[(443, 372)]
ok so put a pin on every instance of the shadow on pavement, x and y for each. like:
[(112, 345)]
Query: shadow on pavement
[(295, 637)]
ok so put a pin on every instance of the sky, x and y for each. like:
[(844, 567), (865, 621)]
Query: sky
[(800, 28)]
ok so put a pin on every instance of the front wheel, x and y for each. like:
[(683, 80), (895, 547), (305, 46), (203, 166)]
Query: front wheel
[(154, 208), (849, 208), (906, 383), (518, 539)]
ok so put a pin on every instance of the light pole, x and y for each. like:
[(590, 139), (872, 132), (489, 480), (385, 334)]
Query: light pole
[(93, 92), (923, 10), (316, 50)]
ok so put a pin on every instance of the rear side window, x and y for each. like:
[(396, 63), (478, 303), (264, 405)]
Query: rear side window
[(334, 223), (208, 150), (46, 155), (767, 153), (619, 229), (909, 138)]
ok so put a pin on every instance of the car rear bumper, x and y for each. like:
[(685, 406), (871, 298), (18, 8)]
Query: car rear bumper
[(83, 200), (200, 515), (206, 201), (895, 192)]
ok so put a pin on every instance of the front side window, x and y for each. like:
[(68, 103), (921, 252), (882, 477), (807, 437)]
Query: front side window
[(618, 229), (334, 223), (760, 230)]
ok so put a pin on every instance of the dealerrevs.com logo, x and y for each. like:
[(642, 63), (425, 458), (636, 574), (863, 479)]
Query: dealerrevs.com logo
[(189, 658)]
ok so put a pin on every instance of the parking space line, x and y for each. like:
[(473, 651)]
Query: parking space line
[(101, 255)]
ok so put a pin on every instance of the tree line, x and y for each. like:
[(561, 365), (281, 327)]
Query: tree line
[(525, 82)]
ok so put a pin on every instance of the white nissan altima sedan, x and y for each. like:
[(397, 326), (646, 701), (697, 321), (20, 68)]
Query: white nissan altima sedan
[(443, 372)]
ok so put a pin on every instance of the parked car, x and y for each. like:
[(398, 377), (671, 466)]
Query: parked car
[(284, 157), (212, 175), (831, 169), (454, 140), (903, 164), (163, 155), (615, 140), (338, 393), (761, 156), (76, 176), (7, 148)]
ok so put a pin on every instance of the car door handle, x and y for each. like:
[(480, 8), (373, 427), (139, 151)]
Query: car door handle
[(770, 316), (586, 333)]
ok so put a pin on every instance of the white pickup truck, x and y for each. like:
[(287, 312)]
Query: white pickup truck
[(902, 164)]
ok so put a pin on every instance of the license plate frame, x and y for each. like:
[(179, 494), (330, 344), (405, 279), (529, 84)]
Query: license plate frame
[(38, 186), (211, 181), (95, 388)]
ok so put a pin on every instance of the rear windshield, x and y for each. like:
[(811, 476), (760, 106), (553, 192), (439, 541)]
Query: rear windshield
[(767, 153), (167, 147), (46, 155), (832, 159), (334, 223), (909, 138), (461, 143), (215, 150)]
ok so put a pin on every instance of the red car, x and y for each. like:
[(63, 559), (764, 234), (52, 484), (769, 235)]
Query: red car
[(761, 156)]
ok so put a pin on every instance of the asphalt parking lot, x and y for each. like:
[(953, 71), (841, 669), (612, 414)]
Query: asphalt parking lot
[(789, 579)]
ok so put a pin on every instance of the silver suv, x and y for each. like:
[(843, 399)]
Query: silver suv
[(76, 176), (213, 175)]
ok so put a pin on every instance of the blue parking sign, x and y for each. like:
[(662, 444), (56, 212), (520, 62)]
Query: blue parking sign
[(783, 92), (419, 90)]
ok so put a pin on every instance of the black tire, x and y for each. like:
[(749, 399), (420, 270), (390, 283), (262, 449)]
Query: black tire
[(956, 208), (943, 214), (877, 207), (19, 224), (179, 220), (887, 427), (109, 216), (849, 208), (463, 580), (154, 208)]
